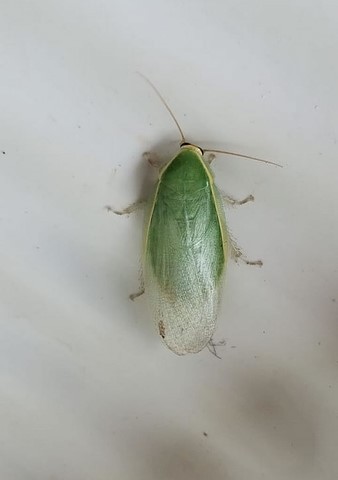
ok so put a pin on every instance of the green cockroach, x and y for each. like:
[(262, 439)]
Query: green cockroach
[(186, 247)]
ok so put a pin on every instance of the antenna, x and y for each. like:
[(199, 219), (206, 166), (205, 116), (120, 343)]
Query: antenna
[(243, 156), (165, 104), (182, 134)]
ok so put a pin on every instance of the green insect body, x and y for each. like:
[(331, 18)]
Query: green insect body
[(185, 253), (186, 248)]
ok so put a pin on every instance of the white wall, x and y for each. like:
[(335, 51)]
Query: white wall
[(87, 390)]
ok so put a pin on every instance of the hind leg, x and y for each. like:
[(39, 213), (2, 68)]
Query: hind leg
[(211, 346), (237, 254)]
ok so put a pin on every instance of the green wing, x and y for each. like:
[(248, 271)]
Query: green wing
[(185, 256)]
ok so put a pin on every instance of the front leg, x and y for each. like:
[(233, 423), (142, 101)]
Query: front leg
[(153, 159), (210, 158)]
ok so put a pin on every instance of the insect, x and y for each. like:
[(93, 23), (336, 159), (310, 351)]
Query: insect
[(186, 247)]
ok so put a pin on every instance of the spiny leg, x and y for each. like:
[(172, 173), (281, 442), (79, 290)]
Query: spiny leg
[(250, 198), (232, 201), (152, 158), (141, 288), (136, 295), (210, 158), (237, 254), (257, 263), (211, 345), (130, 209)]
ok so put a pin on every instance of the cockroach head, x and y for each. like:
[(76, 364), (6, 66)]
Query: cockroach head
[(188, 144)]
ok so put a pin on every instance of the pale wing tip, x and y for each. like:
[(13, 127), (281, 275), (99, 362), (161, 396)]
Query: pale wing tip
[(183, 349)]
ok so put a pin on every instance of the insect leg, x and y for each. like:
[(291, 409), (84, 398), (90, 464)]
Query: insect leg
[(210, 158), (232, 201), (130, 209), (237, 254), (211, 345), (153, 159), (141, 288), (135, 295)]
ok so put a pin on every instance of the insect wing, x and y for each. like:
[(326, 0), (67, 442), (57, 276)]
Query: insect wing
[(183, 271)]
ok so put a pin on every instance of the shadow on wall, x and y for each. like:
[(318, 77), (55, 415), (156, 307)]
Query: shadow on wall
[(175, 455), (268, 420)]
